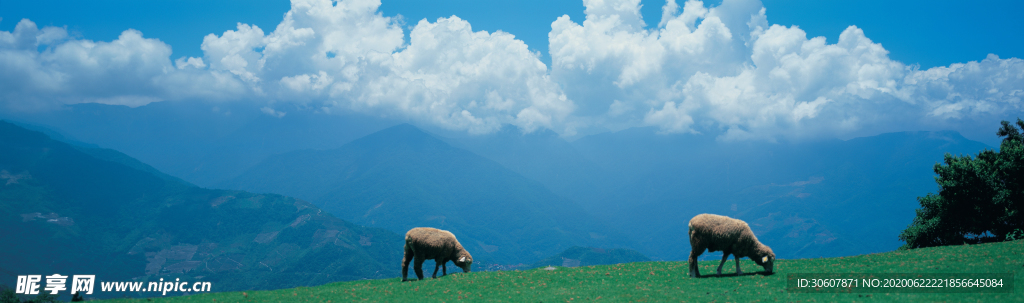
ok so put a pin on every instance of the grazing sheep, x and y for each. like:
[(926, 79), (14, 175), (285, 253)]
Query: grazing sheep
[(731, 236), (430, 243)]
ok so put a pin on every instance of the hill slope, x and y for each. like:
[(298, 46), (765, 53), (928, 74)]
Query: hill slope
[(67, 211), (402, 177), (587, 256), (668, 281)]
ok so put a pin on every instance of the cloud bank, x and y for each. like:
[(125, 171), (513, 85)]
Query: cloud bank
[(726, 68), (42, 68), (722, 69)]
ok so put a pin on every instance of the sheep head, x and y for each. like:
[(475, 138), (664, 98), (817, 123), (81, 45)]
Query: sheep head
[(766, 258), (464, 261)]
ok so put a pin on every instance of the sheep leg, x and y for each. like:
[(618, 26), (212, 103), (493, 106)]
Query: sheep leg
[(694, 269), (437, 264), (738, 271), (405, 263), (418, 267), (444, 268), (696, 249), (725, 256)]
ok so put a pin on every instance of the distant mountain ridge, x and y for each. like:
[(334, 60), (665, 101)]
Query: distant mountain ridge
[(200, 142), (816, 197), (402, 177), (69, 212)]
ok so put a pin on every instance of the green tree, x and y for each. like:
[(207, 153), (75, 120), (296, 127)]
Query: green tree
[(980, 199), (7, 295)]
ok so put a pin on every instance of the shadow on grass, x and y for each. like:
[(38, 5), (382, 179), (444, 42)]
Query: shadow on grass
[(762, 273), (427, 278)]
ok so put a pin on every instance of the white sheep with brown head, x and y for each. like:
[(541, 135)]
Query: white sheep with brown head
[(423, 243), (731, 236)]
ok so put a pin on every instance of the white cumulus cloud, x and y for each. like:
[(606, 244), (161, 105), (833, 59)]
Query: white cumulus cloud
[(347, 55), (722, 69), (463, 79), (726, 68), (43, 68)]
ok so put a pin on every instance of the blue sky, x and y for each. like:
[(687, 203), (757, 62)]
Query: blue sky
[(742, 69), (929, 33)]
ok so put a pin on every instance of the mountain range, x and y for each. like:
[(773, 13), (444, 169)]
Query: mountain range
[(202, 142), (636, 187), (80, 210), (403, 177)]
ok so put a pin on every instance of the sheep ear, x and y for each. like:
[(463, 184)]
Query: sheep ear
[(764, 259), (463, 259)]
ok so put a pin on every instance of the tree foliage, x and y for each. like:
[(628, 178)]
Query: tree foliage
[(981, 199)]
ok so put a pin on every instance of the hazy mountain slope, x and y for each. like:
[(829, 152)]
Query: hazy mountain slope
[(120, 158), (68, 212), (202, 142), (402, 177), (101, 153)]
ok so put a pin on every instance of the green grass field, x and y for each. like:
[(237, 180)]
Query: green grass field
[(664, 281)]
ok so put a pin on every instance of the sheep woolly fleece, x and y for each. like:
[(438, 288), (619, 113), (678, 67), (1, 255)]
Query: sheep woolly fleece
[(731, 236), (423, 243)]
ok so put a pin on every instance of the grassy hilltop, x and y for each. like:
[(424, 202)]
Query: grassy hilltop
[(663, 281)]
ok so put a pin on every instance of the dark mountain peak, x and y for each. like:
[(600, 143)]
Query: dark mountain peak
[(402, 136), (403, 128)]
